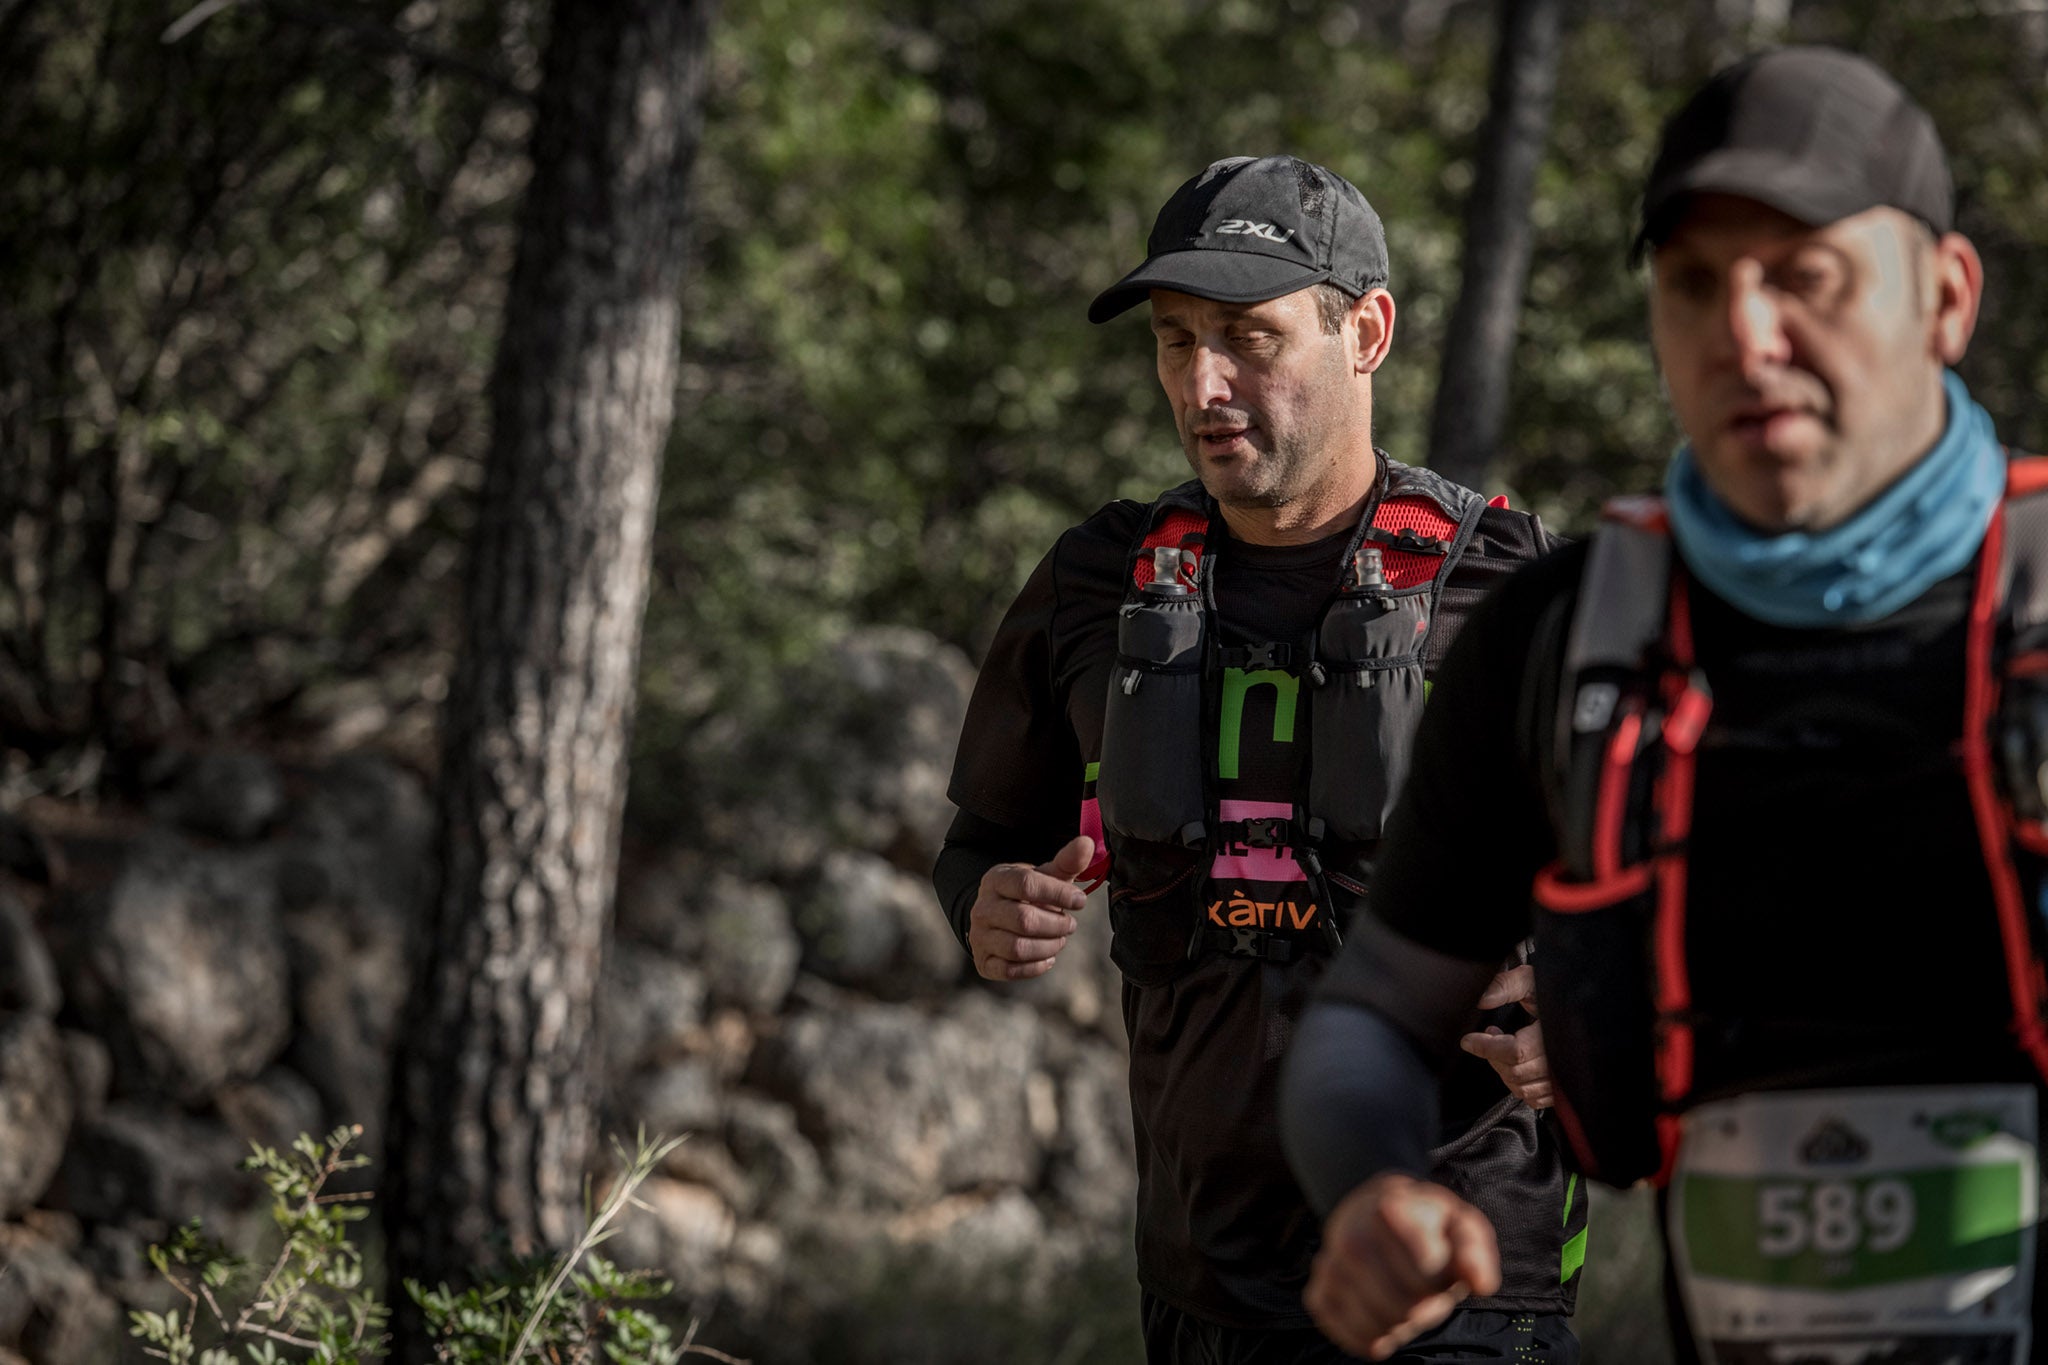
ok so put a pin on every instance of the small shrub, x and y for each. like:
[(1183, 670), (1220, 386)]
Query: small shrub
[(311, 1305)]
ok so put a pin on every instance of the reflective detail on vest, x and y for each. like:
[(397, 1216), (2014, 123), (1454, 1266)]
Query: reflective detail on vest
[(1620, 1049), (1425, 522)]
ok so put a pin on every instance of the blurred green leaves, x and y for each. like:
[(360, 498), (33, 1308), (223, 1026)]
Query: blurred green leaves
[(252, 281)]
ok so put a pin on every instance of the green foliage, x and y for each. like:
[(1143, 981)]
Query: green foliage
[(593, 1309), (311, 1303), (253, 276), (567, 1307)]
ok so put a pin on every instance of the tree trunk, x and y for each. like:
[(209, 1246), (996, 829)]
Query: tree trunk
[(492, 1111), (1471, 397)]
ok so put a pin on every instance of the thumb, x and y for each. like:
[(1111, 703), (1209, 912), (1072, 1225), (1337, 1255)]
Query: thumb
[(1506, 988), (1072, 860)]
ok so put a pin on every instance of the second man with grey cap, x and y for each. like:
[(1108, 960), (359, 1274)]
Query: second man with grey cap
[(1208, 700)]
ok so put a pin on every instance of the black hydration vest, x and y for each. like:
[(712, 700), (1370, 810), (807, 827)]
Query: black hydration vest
[(1613, 982), (1156, 784)]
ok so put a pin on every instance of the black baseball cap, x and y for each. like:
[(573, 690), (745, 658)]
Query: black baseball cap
[(1253, 228), (1812, 131)]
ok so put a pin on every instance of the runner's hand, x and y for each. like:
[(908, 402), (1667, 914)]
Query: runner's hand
[(1398, 1255), (1516, 1057), (1023, 915)]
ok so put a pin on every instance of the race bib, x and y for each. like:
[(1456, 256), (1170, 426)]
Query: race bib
[(1852, 1227)]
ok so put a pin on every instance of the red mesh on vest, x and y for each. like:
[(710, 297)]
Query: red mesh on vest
[(1175, 529), (1404, 568), (2026, 474)]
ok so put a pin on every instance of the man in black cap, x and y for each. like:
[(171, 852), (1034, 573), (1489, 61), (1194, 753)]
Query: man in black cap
[(1767, 757), (1208, 701)]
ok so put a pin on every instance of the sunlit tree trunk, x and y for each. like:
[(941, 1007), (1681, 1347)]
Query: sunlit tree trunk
[(1471, 397), (492, 1113)]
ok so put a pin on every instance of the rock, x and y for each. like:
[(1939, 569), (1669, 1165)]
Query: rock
[(183, 968), (656, 891), (28, 974), (35, 1109), (349, 992), (273, 1109), (91, 1069), (975, 1233), (25, 852), (681, 1097), (703, 1160), (756, 1269), (360, 843), (681, 1230), (868, 925), (764, 1140), (650, 1006), (857, 753), (135, 1162), (909, 1106), (739, 933), (50, 1305), (226, 795)]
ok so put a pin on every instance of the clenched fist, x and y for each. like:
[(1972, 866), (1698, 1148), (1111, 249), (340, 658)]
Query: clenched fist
[(1024, 915)]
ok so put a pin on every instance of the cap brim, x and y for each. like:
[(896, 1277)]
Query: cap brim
[(1226, 276), (1787, 184)]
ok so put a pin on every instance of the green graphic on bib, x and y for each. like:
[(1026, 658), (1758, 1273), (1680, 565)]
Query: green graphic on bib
[(1851, 1233)]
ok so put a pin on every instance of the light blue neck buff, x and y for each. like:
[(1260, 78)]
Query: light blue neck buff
[(1923, 528)]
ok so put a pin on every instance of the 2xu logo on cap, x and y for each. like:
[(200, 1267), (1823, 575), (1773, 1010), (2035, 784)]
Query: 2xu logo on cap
[(1242, 227)]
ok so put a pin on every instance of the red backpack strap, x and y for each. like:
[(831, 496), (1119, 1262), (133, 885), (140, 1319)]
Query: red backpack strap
[(2025, 475), (1631, 694), (2008, 612)]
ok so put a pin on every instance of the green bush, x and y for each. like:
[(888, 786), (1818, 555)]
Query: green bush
[(311, 1303)]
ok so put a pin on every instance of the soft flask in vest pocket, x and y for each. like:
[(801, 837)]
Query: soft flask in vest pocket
[(1593, 918), (1151, 784), (1367, 700)]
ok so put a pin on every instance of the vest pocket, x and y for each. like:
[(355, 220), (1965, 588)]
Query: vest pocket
[(1152, 911), (1364, 710), (1150, 781)]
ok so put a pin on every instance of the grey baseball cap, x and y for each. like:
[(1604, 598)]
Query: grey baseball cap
[(1253, 228), (1812, 131)]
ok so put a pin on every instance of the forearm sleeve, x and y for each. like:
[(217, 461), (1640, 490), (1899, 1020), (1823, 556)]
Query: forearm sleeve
[(973, 846), (956, 877), (1357, 1098)]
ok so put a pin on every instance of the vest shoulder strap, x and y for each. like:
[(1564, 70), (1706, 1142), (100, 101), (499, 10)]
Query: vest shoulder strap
[(1422, 523), (1624, 589)]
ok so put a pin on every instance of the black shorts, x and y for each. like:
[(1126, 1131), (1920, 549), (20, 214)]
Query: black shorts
[(1469, 1335)]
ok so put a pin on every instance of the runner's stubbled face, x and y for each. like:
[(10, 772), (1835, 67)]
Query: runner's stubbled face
[(1803, 364), (1265, 400)]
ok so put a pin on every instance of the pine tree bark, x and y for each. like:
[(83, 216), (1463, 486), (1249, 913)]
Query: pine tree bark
[(492, 1113), (1479, 346)]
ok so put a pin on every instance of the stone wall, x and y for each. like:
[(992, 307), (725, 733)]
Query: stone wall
[(885, 1159)]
